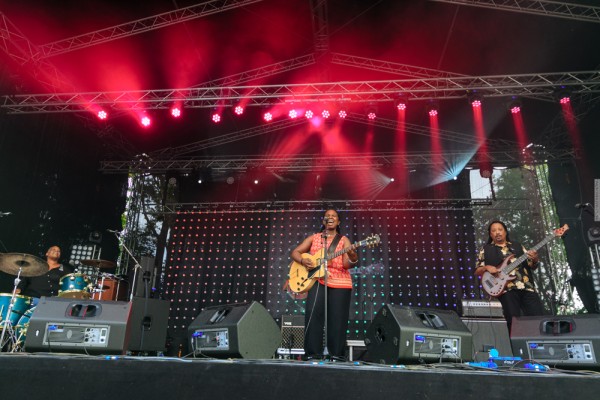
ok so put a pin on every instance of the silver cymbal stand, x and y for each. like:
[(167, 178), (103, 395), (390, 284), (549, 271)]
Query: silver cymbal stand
[(7, 324)]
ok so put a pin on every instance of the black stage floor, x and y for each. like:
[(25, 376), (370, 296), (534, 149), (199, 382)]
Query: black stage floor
[(55, 376)]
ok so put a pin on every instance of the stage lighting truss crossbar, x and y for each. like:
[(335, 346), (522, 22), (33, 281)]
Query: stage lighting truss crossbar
[(340, 162), (532, 85), (138, 26), (558, 9)]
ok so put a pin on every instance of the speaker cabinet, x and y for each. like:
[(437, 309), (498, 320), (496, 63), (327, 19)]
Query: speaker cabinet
[(235, 331), (413, 334), (292, 332), (97, 327), (488, 334), (558, 340)]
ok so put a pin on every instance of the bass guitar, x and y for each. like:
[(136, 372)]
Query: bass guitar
[(302, 279), (495, 284)]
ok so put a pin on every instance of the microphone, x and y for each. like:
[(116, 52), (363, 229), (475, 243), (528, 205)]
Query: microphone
[(582, 205)]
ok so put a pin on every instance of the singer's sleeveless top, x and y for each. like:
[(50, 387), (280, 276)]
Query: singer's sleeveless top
[(338, 277)]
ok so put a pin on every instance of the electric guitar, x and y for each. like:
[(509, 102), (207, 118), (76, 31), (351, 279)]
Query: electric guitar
[(494, 284), (302, 279)]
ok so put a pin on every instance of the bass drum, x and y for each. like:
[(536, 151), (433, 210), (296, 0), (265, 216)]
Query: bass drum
[(20, 305), (21, 327)]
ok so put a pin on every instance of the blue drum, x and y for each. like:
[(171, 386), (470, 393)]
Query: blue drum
[(20, 305), (75, 286), (21, 328)]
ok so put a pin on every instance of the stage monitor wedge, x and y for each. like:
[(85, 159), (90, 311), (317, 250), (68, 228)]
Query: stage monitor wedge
[(97, 327), (563, 340), (404, 334), (235, 331)]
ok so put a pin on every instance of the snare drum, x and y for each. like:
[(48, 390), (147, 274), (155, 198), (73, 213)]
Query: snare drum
[(21, 304), (75, 286)]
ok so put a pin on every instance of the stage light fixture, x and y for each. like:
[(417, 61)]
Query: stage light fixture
[(216, 117), (371, 112), (325, 114), (102, 115), (342, 113), (563, 95), (293, 114), (514, 106), (432, 108), (309, 114), (268, 117), (475, 99), (176, 112), (145, 121), (401, 102), (238, 110)]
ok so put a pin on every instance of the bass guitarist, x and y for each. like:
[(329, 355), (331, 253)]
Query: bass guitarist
[(339, 289), (519, 297)]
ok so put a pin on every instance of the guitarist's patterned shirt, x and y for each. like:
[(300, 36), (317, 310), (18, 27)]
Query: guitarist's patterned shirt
[(338, 276), (493, 254)]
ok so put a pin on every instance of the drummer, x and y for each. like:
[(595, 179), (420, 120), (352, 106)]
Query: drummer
[(49, 283)]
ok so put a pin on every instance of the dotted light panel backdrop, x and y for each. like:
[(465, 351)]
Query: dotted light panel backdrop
[(425, 259)]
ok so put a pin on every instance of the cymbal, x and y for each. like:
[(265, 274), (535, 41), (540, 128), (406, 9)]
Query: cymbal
[(102, 264), (29, 265)]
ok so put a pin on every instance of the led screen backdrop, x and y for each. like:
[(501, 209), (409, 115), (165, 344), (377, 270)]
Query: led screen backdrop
[(425, 259)]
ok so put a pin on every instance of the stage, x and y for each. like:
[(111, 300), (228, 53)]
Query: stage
[(68, 376)]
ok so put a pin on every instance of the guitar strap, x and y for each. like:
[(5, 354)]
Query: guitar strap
[(333, 245)]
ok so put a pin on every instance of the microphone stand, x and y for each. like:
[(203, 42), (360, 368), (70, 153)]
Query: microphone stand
[(135, 268), (324, 263)]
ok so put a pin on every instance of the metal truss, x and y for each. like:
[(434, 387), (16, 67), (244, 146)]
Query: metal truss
[(261, 72), (559, 9), (172, 152), (320, 25), (340, 162), (139, 26), (20, 49), (445, 135), (532, 85), (389, 67), (413, 129), (341, 205)]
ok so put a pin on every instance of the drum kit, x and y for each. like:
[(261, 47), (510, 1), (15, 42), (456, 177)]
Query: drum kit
[(16, 309)]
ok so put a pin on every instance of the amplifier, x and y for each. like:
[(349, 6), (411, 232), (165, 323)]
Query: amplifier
[(482, 309), (292, 332), (558, 340)]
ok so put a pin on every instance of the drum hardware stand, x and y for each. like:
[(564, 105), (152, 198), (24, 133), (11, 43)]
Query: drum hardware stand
[(7, 324), (135, 268)]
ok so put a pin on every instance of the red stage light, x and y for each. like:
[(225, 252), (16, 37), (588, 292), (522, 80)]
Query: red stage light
[(102, 115), (146, 121), (293, 114), (565, 100), (176, 112), (476, 103), (325, 114), (342, 114), (216, 118), (308, 114), (371, 116), (238, 110), (433, 112), (268, 117), (515, 109), (401, 106)]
